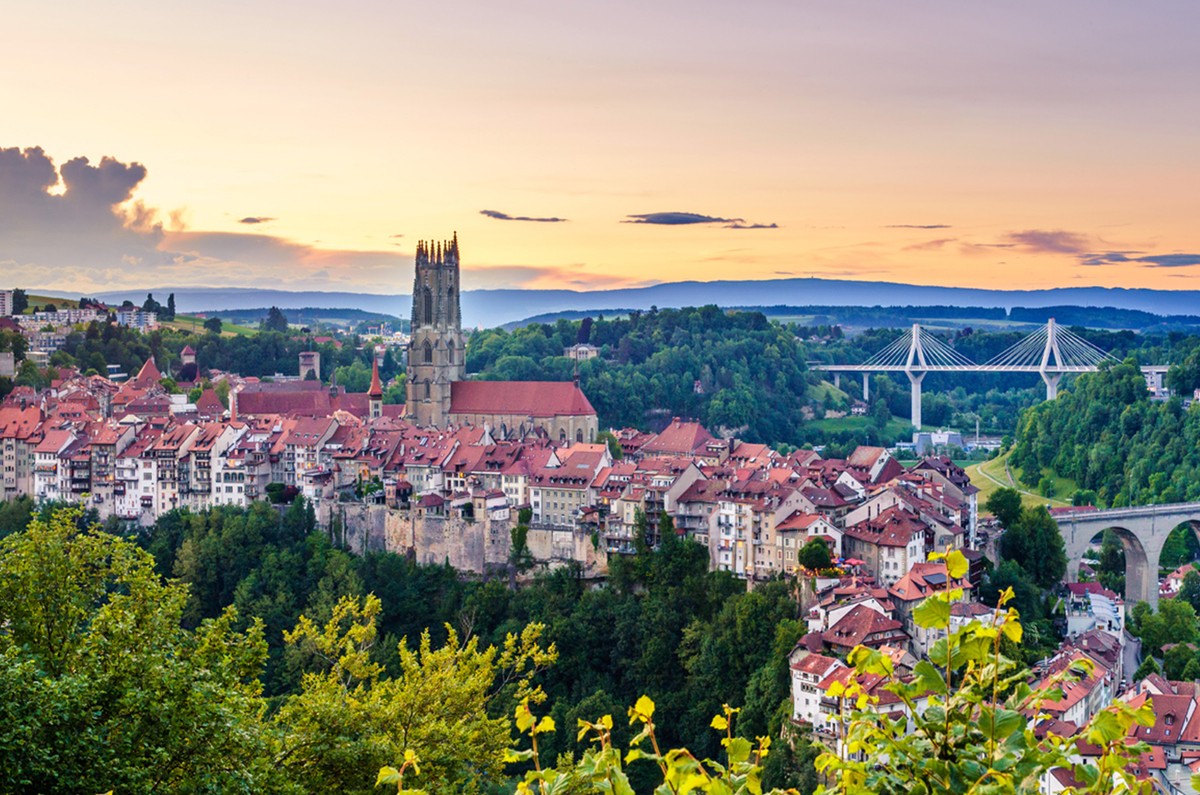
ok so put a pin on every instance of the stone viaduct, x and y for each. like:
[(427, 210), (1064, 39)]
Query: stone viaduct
[(1142, 531)]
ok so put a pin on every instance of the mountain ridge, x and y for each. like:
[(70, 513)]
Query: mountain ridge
[(494, 307)]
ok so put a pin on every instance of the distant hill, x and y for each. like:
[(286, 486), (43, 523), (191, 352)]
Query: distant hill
[(496, 307), (307, 316)]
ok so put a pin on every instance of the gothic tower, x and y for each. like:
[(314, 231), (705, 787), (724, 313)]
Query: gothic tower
[(436, 353)]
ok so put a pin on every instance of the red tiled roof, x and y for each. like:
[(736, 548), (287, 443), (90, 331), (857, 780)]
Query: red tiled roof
[(523, 398)]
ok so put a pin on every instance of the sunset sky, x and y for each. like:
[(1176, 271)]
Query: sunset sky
[(309, 145)]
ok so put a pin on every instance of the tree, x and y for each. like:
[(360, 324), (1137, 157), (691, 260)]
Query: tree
[(212, 325), (1148, 667), (170, 313), (102, 688), (1190, 590), (274, 321), (20, 302), (1175, 622), (1035, 544), (350, 719), (1110, 570), (614, 444), (815, 555), (1005, 504)]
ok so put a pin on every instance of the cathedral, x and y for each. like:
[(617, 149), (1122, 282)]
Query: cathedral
[(439, 394)]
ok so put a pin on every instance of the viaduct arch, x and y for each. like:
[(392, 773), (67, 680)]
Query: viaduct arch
[(1143, 532)]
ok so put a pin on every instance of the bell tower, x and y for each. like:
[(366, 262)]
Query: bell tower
[(436, 353)]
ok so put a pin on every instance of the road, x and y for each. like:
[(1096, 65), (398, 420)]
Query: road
[(1131, 656)]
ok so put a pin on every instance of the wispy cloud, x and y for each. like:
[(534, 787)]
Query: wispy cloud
[(685, 219), (917, 226), (256, 219), (1177, 260), (1049, 241), (499, 216), (931, 245)]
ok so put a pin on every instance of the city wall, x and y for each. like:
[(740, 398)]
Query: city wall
[(478, 547)]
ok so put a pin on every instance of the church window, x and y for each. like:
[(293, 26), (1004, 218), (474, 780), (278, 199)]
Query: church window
[(427, 351), (579, 435), (427, 390), (427, 296)]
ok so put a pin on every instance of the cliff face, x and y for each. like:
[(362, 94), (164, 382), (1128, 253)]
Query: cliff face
[(476, 547)]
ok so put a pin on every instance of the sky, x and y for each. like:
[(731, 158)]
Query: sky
[(307, 145)]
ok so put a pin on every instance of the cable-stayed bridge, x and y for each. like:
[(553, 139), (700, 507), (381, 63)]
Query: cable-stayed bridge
[(1052, 352)]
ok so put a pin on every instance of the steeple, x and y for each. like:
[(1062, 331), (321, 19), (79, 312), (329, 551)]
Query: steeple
[(436, 350), (375, 393)]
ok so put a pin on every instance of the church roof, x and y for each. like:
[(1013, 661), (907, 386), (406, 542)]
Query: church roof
[(376, 390), (148, 375), (524, 398)]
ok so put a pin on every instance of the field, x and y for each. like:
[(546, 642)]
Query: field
[(989, 476), (895, 428), (196, 325), (39, 301)]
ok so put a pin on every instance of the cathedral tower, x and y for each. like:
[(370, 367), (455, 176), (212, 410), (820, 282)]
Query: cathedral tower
[(436, 353)]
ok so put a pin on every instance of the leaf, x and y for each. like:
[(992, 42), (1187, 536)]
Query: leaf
[(929, 677), (546, 724), (719, 723), (388, 775), (1012, 630), (644, 707), (933, 613), (738, 749), (956, 565), (525, 719)]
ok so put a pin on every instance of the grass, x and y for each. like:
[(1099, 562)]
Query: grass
[(39, 301), (895, 428), (991, 475), (825, 392), (195, 325)]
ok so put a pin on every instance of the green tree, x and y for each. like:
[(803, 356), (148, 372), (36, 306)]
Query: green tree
[(1189, 591), (101, 688), (1005, 504), (169, 314), (349, 719), (20, 302), (1175, 622), (815, 555), (212, 325), (274, 321)]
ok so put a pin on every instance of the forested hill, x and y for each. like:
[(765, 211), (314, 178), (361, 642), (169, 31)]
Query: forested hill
[(731, 370), (1109, 437)]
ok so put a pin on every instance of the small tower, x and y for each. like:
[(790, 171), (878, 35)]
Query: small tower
[(436, 352), (375, 393)]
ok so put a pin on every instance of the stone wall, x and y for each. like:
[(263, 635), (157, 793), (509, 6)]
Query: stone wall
[(469, 546)]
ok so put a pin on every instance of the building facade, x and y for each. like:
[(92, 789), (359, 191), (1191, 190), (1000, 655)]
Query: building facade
[(436, 351)]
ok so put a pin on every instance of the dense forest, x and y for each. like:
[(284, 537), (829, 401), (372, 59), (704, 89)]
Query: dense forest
[(1113, 441), (664, 626)]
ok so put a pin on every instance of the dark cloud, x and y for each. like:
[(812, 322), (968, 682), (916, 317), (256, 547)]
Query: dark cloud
[(256, 219), (395, 236), (917, 226), (684, 219), (499, 216), (1177, 260), (1049, 241), (75, 217)]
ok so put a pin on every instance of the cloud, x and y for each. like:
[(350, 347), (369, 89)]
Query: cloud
[(1047, 241), (395, 236), (256, 219), (931, 245), (917, 226), (1177, 260), (501, 277), (684, 219), (499, 216)]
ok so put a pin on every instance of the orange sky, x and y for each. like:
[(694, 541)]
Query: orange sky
[(935, 143)]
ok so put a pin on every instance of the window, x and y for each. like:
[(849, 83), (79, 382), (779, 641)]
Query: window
[(427, 351), (427, 301)]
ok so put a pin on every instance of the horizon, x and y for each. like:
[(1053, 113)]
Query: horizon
[(584, 149)]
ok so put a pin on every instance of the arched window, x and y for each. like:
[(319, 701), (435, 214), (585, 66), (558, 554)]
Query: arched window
[(427, 392), (503, 431), (427, 351), (579, 435), (562, 436), (427, 299)]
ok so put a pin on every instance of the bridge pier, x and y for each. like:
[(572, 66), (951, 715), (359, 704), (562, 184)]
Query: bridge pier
[(837, 380), (1051, 380), (866, 387), (915, 379)]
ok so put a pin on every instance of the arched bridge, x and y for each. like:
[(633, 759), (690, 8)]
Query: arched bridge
[(1142, 531)]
